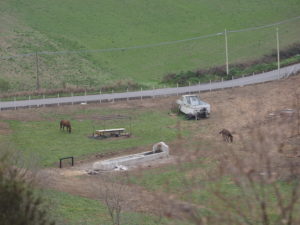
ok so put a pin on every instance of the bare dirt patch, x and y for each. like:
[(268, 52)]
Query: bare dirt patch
[(236, 108), (21, 115), (138, 198)]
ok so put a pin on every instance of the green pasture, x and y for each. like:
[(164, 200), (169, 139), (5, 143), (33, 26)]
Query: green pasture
[(170, 179), (41, 25), (44, 141), (74, 210), (200, 189)]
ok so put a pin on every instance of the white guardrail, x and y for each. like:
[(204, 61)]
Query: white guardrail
[(254, 79)]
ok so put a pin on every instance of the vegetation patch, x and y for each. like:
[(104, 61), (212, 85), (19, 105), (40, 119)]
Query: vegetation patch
[(268, 62), (171, 179), (117, 86)]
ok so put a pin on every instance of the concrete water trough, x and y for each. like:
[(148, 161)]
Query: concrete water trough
[(160, 150)]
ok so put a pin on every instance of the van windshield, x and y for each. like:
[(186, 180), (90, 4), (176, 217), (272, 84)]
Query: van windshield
[(193, 100)]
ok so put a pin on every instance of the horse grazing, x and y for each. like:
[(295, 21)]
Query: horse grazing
[(227, 136), (67, 124)]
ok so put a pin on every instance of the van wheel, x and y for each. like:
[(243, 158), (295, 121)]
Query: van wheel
[(189, 116)]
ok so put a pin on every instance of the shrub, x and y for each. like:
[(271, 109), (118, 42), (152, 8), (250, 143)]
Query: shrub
[(18, 203), (120, 85)]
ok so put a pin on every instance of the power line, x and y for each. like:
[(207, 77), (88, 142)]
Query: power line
[(265, 26), (148, 45), (111, 49)]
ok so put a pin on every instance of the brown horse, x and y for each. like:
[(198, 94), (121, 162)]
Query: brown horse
[(67, 124), (227, 136)]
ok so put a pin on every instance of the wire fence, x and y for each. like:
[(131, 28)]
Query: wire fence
[(126, 67)]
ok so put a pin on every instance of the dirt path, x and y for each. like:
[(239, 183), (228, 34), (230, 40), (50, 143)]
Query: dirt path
[(133, 197)]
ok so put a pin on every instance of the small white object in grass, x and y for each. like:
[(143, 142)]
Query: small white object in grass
[(120, 167)]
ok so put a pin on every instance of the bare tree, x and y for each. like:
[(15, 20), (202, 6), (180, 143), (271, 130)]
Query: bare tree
[(113, 193)]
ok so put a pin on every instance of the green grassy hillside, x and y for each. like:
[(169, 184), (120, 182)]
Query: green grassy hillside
[(42, 25)]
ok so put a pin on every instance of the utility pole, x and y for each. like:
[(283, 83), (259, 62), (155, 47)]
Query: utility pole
[(37, 71), (226, 52), (278, 53)]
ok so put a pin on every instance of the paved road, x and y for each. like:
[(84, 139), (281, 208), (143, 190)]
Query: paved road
[(259, 78)]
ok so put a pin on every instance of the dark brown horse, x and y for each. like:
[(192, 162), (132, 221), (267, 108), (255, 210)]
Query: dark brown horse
[(67, 124), (227, 136)]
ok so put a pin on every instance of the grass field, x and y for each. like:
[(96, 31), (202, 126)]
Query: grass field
[(43, 139), (74, 210), (74, 24)]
